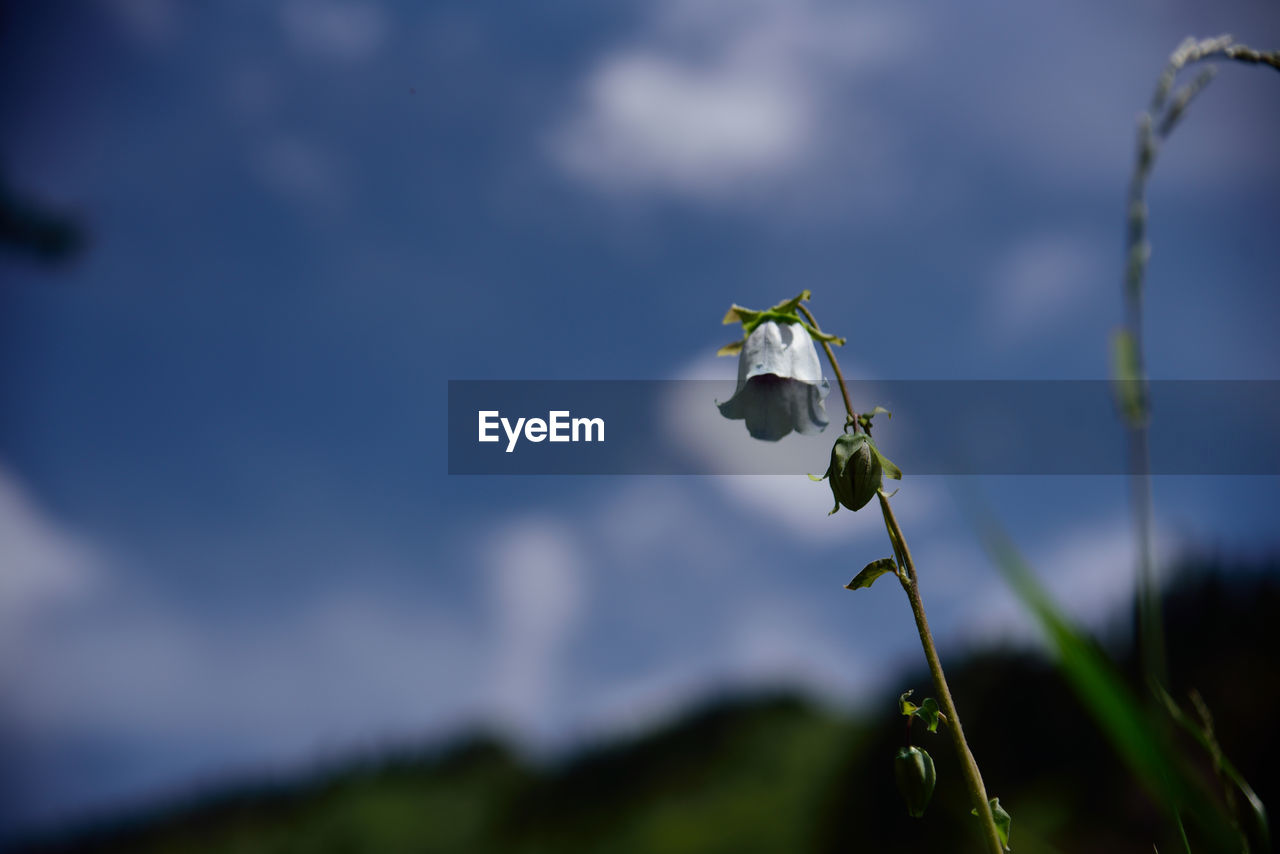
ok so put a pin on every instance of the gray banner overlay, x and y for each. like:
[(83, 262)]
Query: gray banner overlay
[(999, 427)]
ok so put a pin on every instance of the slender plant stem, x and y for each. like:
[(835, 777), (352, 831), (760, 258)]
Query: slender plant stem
[(968, 765), (910, 584), (1168, 106), (1166, 109)]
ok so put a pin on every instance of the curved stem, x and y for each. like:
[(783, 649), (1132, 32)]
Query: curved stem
[(968, 765), (1166, 109)]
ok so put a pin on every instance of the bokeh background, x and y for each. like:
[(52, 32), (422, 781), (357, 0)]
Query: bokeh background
[(229, 548)]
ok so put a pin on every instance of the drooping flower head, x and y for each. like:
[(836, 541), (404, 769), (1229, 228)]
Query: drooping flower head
[(780, 384)]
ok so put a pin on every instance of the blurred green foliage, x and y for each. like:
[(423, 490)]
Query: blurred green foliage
[(777, 773)]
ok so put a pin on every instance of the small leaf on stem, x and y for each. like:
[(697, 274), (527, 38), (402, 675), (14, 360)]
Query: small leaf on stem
[(871, 572), (1003, 821), (929, 713)]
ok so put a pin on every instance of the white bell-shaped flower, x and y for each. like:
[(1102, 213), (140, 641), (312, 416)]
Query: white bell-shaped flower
[(780, 384)]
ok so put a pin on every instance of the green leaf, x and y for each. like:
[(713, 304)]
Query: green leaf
[(1205, 737), (928, 712), (1135, 736), (1003, 821), (733, 348), (871, 572)]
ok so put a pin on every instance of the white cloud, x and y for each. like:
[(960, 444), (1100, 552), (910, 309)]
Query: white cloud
[(339, 666), (332, 673), (774, 641), (801, 508), (715, 96), (1040, 279), (802, 106), (651, 121), (675, 568), (1090, 572), (43, 567), (536, 592), (87, 650), (1067, 116), (648, 520), (334, 29)]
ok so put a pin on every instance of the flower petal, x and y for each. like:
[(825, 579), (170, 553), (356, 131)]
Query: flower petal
[(773, 406), (780, 385), (784, 349)]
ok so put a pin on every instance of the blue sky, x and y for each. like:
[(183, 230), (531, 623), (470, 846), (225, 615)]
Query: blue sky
[(228, 544)]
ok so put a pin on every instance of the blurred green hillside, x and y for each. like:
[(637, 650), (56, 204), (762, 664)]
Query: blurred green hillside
[(774, 773)]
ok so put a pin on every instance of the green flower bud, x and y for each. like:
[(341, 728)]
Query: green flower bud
[(913, 771), (855, 471)]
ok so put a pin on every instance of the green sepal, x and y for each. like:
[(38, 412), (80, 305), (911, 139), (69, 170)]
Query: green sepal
[(787, 311), (905, 705), (871, 572), (816, 479), (733, 348), (791, 306), (886, 465), (775, 316), (1003, 821), (738, 314), (819, 335)]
